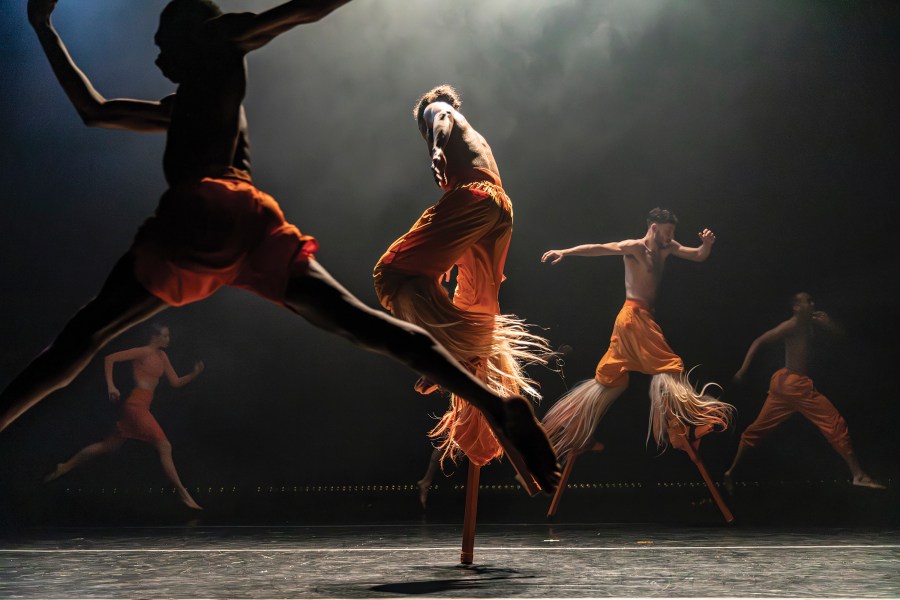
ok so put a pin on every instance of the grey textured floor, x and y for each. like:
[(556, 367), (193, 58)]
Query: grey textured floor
[(590, 560)]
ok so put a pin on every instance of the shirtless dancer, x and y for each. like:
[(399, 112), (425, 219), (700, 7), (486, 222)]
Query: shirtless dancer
[(637, 344), (470, 227), (792, 391), (214, 228)]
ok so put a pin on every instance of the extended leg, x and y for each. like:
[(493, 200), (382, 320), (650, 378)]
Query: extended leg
[(121, 304), (110, 444), (164, 448), (424, 484), (316, 296)]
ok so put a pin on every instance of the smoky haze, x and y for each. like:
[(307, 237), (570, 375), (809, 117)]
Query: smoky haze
[(772, 123)]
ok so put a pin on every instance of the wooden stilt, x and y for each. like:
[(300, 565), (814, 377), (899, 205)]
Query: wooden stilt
[(678, 436), (564, 480), (468, 542)]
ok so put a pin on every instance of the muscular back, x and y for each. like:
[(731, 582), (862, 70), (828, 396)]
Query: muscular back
[(465, 149)]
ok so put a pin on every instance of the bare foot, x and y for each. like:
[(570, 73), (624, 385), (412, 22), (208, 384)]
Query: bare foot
[(526, 445), (728, 482), (187, 500), (866, 481), (426, 386), (56, 473), (423, 486)]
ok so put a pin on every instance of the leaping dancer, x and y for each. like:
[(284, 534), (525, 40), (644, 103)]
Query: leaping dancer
[(214, 228)]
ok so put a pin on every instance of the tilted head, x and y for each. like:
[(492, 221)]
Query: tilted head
[(175, 36), (661, 223), (442, 93), (159, 335), (802, 304)]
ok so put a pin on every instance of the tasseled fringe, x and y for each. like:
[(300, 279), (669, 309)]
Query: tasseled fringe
[(496, 348), (673, 395), (571, 421)]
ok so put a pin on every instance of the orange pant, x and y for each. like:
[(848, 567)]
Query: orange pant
[(135, 420), (636, 344), (789, 393), (215, 232)]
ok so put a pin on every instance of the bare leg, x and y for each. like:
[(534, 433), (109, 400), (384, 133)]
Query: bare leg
[(728, 477), (320, 299), (110, 444), (164, 448), (121, 304), (423, 484), (860, 477)]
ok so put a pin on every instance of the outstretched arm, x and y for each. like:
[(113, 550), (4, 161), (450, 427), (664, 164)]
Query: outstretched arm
[(251, 31), (823, 320), (698, 254), (111, 359), (773, 335), (609, 249), (93, 108), (175, 380)]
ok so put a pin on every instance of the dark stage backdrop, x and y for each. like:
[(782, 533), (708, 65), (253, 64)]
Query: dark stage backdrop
[(775, 124)]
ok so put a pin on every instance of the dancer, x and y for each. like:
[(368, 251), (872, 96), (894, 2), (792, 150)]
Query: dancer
[(637, 344), (792, 391), (149, 363), (470, 227), (214, 228)]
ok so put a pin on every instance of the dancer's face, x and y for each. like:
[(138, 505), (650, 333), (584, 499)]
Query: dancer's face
[(804, 304), (161, 340), (663, 234)]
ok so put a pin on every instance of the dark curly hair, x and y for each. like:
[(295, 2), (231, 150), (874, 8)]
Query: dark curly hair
[(442, 93), (179, 17), (661, 216)]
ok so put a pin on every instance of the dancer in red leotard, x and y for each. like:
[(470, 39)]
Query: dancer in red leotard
[(149, 364)]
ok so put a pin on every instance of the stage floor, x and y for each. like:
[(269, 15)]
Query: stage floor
[(511, 560)]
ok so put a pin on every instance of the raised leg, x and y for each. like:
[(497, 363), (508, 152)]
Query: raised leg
[(110, 444), (317, 297), (121, 304), (424, 484)]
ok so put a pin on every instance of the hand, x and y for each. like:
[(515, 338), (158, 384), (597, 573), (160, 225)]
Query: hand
[(39, 11), (198, 368), (554, 256), (707, 237), (439, 168), (114, 395), (821, 317)]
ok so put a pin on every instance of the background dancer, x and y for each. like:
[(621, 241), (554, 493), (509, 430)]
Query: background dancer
[(214, 228), (636, 344), (792, 391), (149, 363)]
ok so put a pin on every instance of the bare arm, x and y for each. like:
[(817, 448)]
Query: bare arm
[(823, 320), (698, 254), (608, 249), (111, 359), (176, 381), (93, 108), (773, 335), (251, 31)]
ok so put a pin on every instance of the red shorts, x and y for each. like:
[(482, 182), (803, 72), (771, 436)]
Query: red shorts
[(214, 232)]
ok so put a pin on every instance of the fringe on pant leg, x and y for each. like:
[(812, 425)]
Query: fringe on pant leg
[(673, 394), (570, 422)]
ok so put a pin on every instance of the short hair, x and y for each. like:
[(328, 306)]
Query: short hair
[(795, 298), (179, 17), (156, 329), (661, 216), (442, 93)]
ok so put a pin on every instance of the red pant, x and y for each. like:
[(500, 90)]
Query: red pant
[(791, 392)]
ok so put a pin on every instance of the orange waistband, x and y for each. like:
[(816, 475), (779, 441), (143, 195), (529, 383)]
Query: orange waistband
[(634, 303)]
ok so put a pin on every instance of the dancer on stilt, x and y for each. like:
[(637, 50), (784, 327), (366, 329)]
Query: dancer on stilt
[(214, 228), (792, 391), (149, 363), (637, 344), (470, 227)]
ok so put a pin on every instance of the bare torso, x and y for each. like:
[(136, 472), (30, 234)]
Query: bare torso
[(208, 128), (796, 345), (643, 273), (148, 369), (466, 151)]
